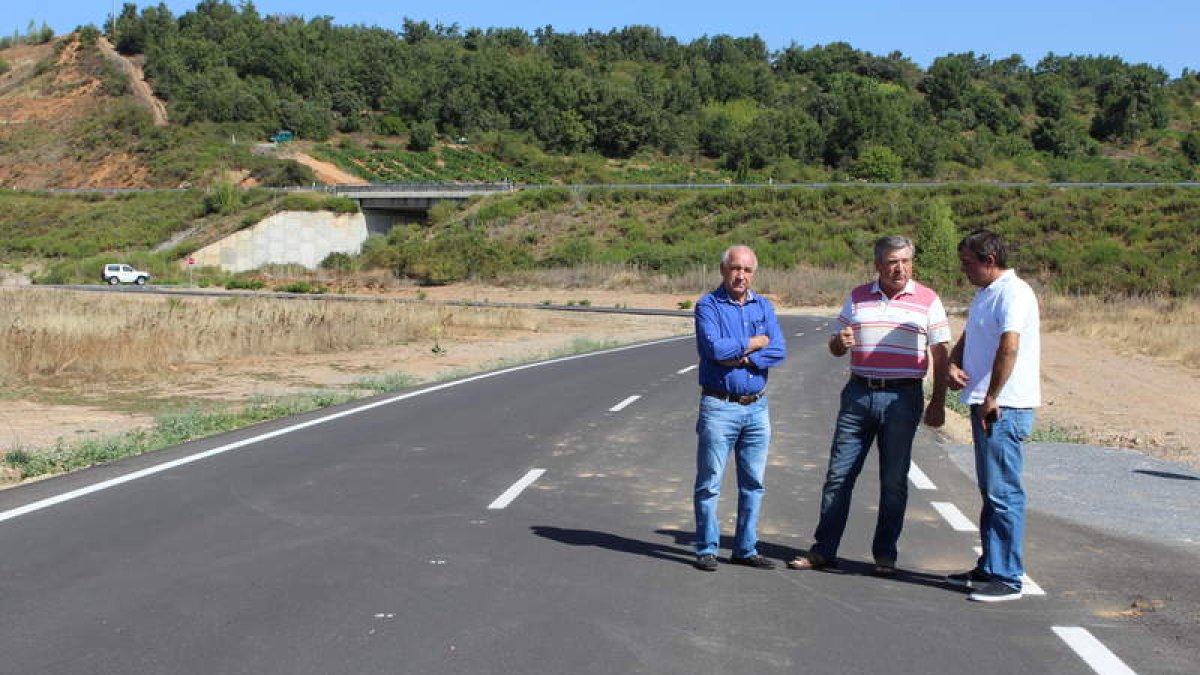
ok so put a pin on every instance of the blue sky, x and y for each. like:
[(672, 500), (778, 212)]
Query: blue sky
[(1160, 32)]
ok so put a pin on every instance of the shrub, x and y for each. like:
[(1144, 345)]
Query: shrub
[(301, 287), (422, 136), (225, 198), (341, 262), (878, 164), (1191, 147), (244, 284), (390, 125), (937, 242)]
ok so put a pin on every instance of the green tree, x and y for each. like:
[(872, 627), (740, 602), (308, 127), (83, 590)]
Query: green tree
[(1131, 102), (1050, 96), (422, 136), (1190, 146), (878, 164), (948, 80), (1062, 138)]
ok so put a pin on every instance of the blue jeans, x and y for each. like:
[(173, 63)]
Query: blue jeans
[(998, 462), (890, 416), (745, 430)]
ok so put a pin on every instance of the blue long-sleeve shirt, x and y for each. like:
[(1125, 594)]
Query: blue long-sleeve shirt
[(723, 332)]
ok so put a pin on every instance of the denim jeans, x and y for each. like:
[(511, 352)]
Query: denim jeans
[(998, 462), (890, 416), (745, 431)]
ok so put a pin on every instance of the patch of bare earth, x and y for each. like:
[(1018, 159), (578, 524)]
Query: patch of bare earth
[(325, 172)]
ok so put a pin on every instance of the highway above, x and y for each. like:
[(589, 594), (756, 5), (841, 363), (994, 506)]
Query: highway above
[(537, 520)]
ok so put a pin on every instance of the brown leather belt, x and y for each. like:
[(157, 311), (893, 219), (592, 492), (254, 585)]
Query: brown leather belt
[(886, 383), (733, 398)]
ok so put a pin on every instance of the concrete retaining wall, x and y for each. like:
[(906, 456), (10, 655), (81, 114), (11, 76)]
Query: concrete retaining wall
[(289, 237)]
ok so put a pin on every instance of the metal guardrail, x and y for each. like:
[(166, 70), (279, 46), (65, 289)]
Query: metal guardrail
[(512, 187)]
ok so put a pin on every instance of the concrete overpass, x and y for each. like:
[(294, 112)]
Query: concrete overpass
[(386, 204)]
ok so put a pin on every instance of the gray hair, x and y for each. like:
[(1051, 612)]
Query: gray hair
[(891, 243), (729, 251)]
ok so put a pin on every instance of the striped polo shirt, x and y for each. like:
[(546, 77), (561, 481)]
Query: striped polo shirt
[(892, 337)]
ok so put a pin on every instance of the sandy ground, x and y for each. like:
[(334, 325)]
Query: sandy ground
[(1106, 398)]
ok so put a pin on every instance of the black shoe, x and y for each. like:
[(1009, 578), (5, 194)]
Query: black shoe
[(884, 569), (753, 561), (996, 591), (969, 579), (706, 562)]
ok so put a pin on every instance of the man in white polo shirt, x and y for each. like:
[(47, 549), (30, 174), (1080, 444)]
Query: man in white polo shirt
[(893, 328), (996, 365)]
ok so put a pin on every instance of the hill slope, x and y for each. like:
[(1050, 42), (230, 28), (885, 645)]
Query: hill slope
[(49, 98)]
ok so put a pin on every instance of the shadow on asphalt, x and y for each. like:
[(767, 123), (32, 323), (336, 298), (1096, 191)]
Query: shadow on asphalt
[(1165, 474), (844, 566), (681, 552), (614, 542)]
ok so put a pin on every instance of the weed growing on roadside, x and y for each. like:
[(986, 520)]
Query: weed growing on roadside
[(1043, 432), (169, 429), (386, 383)]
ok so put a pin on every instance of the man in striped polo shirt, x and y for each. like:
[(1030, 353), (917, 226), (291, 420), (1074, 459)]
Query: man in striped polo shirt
[(893, 328)]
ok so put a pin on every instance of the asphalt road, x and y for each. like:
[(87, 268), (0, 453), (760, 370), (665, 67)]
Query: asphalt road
[(397, 536)]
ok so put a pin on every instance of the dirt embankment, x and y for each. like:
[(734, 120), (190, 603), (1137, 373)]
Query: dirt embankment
[(326, 173), (139, 87)]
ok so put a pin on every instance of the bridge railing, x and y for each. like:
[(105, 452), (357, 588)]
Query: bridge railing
[(393, 187)]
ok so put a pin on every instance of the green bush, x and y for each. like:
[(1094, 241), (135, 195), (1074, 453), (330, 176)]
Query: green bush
[(341, 262), (422, 136), (224, 198), (301, 287), (244, 284), (937, 246), (878, 164)]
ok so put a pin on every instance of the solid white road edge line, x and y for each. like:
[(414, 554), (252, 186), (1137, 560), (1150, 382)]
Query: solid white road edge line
[(919, 479), (1028, 586), (952, 515), (621, 406), (686, 370), (511, 493), (1092, 651), (167, 466)]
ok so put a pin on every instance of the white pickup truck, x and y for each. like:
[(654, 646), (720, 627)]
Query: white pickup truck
[(117, 273)]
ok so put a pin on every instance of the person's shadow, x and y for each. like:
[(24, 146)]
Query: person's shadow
[(682, 552), (614, 542)]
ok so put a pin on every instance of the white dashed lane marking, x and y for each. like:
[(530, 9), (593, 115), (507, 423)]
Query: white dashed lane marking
[(952, 515), (685, 370), (1092, 651), (513, 492), (621, 406), (182, 461), (919, 479)]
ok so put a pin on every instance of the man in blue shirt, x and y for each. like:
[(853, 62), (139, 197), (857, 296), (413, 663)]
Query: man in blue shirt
[(738, 338)]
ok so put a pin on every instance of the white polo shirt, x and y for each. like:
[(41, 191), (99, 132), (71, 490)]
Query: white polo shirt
[(1006, 305)]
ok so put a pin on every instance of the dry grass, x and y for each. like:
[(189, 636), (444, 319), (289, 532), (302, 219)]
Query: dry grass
[(1160, 327), (46, 333), (801, 286)]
